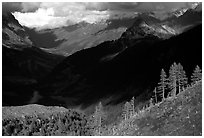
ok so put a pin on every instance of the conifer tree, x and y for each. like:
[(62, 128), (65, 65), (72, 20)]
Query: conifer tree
[(172, 79), (132, 103), (162, 84), (98, 116), (181, 77), (197, 75), (151, 102), (155, 95), (126, 111)]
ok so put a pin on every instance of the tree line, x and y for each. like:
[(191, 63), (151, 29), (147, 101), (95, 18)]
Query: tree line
[(177, 81), (169, 86), (74, 123)]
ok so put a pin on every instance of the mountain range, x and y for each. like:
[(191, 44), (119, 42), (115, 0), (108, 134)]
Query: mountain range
[(110, 61)]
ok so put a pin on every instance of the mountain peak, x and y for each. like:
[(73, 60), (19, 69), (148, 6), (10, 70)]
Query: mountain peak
[(180, 12), (14, 35), (139, 21), (195, 7), (9, 18), (147, 27)]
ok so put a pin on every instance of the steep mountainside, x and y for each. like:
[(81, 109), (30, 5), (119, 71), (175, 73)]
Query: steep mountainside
[(20, 52), (120, 68), (95, 69), (185, 19), (70, 39), (13, 33), (174, 116), (22, 63), (179, 116)]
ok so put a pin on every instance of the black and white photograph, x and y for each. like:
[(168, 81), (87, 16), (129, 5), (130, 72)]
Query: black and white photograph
[(101, 68)]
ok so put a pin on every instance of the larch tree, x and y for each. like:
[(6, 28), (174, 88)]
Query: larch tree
[(155, 95), (162, 84), (172, 79), (132, 104), (151, 102), (126, 111), (197, 75), (181, 77), (98, 117)]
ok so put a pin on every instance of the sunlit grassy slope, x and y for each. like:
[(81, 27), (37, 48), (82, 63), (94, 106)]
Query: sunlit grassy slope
[(181, 115)]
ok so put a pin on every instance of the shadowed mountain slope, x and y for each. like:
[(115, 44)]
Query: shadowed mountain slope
[(134, 65), (22, 63), (119, 68)]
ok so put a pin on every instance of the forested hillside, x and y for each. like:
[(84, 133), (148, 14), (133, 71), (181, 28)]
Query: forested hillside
[(174, 109)]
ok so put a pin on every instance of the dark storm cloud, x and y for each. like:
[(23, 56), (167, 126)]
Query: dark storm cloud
[(30, 6), (11, 7), (128, 9), (120, 6), (19, 6), (162, 6), (144, 6)]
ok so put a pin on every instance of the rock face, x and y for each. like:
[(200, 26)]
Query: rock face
[(13, 33), (143, 28)]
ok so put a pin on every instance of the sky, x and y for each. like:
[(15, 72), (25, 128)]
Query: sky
[(49, 15)]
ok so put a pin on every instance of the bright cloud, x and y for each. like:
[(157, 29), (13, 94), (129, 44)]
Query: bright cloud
[(54, 15), (48, 15)]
